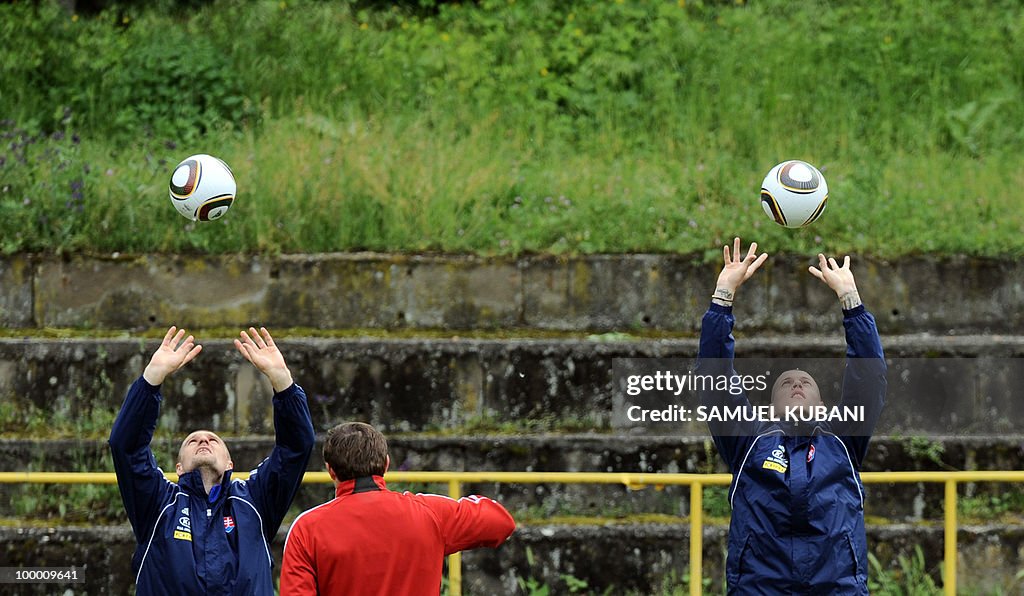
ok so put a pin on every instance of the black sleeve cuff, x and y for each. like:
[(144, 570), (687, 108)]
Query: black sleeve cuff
[(853, 312), (287, 391), (725, 310)]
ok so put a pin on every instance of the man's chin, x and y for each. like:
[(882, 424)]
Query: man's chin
[(798, 407), (205, 463)]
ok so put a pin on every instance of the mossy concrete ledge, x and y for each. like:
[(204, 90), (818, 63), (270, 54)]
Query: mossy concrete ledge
[(594, 292), (407, 385)]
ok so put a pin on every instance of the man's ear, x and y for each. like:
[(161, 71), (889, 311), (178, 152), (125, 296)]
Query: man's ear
[(178, 468), (231, 465), (334, 476), (387, 463)]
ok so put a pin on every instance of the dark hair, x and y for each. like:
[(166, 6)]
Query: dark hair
[(355, 449)]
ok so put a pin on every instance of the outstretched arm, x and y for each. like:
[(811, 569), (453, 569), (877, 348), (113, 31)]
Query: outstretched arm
[(470, 522), (276, 480), (716, 351), (139, 479), (864, 379)]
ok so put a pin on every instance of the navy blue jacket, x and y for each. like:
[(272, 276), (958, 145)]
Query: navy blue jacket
[(797, 499), (193, 543)]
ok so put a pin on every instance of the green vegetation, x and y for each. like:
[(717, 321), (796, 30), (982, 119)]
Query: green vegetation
[(572, 584), (1000, 502), (919, 447), (716, 503), (910, 578), (21, 418), (502, 127)]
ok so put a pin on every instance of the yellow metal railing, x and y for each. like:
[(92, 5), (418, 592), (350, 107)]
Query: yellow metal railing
[(696, 482)]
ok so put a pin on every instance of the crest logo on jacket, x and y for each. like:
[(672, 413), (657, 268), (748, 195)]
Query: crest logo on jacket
[(183, 531), (229, 524), (777, 460)]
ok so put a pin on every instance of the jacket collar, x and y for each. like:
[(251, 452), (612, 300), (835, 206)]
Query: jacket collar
[(802, 429), (362, 484), (192, 482)]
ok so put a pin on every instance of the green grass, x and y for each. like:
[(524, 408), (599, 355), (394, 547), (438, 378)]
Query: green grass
[(508, 128)]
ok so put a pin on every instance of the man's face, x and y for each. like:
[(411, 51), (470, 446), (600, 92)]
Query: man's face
[(795, 388), (203, 449)]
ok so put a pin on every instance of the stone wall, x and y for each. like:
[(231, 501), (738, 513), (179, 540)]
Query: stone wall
[(621, 557), (598, 293)]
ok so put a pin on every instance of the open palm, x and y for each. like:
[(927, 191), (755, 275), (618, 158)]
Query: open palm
[(736, 269), (260, 349), (175, 351)]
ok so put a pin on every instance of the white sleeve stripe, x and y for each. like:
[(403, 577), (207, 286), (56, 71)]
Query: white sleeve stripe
[(142, 563), (300, 516), (470, 498), (739, 472)]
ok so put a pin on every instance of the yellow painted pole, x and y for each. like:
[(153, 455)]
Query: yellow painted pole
[(454, 559), (696, 538), (949, 575), (59, 477)]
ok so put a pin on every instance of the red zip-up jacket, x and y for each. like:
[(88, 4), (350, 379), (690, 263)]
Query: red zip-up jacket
[(370, 540)]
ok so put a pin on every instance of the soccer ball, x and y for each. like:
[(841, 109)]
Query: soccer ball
[(794, 194), (202, 187)]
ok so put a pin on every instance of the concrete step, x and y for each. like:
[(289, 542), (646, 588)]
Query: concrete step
[(539, 453), (937, 384), (622, 558), (589, 292)]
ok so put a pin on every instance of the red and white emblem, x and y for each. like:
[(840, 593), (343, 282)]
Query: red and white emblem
[(810, 453), (229, 524)]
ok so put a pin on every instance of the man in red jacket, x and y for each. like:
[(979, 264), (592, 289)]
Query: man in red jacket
[(370, 540)]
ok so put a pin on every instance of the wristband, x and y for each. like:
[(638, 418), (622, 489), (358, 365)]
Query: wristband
[(724, 294)]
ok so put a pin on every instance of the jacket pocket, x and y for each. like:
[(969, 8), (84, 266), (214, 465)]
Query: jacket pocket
[(853, 554), (735, 569)]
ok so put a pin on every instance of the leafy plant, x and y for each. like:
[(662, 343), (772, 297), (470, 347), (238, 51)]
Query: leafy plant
[(991, 506), (910, 578), (925, 448), (535, 587)]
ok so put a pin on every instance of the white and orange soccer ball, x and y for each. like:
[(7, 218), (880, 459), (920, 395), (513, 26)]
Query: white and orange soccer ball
[(202, 187), (794, 194)]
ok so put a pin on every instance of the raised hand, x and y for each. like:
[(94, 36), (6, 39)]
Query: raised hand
[(172, 354), (839, 278), (260, 349), (737, 270)]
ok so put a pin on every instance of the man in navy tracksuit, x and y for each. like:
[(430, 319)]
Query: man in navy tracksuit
[(797, 499), (208, 534)]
